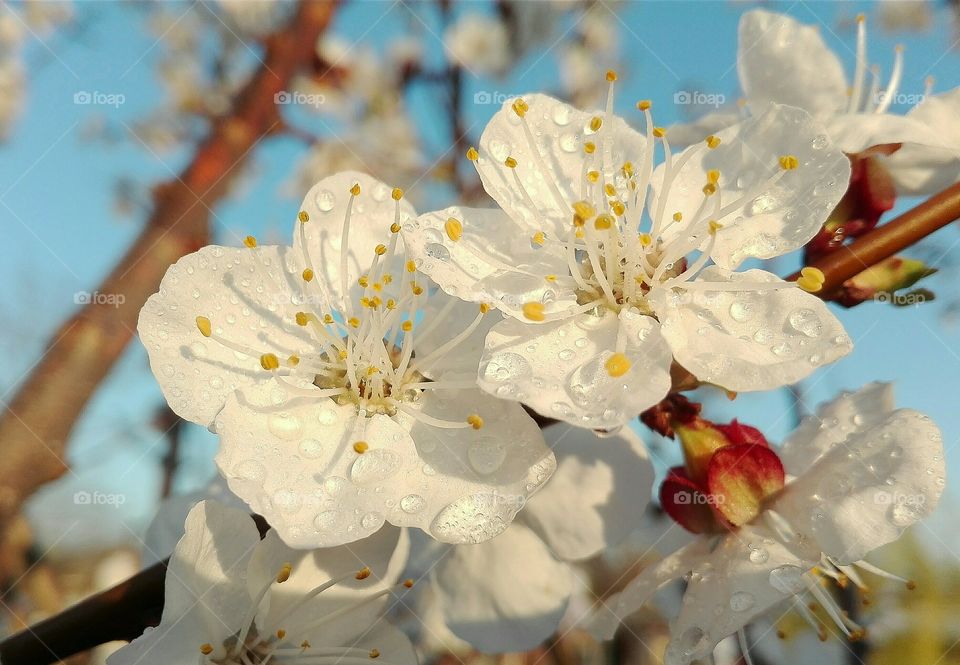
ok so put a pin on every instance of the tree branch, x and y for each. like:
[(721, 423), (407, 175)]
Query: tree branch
[(37, 422)]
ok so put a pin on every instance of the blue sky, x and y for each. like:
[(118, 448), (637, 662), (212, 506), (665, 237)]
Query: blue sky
[(62, 235)]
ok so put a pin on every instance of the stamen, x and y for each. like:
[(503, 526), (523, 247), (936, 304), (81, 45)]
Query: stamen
[(617, 365)]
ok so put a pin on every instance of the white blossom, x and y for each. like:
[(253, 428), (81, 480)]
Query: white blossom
[(478, 43)]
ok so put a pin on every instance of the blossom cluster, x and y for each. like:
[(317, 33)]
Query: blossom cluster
[(454, 392)]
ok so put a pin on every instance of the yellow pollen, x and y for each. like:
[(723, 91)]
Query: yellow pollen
[(593, 176), (533, 311), (550, 278), (269, 361), (391, 303), (610, 189), (604, 222), (387, 278), (710, 189), (380, 250), (475, 421), (302, 318), (372, 370), (646, 239), (539, 238), (363, 281), (305, 644), (809, 285), (250, 242), (814, 273), (678, 216), (715, 226), (206, 649), (454, 229), (284, 573), (355, 190), (394, 228), (644, 104), (293, 360), (406, 326), (713, 175), (520, 107), (617, 365), (416, 288), (611, 76), (584, 209), (595, 123), (472, 154), (712, 141), (408, 583), (343, 354), (618, 208), (281, 633), (578, 234), (861, 18), (203, 325), (411, 266), (659, 132), (374, 653), (363, 573), (589, 147), (360, 447), (397, 194), (484, 308), (627, 169), (328, 319), (789, 162), (307, 274), (510, 163), (303, 216), (353, 322)]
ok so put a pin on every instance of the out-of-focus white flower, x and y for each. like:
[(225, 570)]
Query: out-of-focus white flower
[(510, 593), (343, 390), (783, 61), (232, 599), (478, 43), (255, 17), (846, 482), (588, 256)]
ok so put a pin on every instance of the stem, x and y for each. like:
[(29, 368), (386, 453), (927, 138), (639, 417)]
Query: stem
[(888, 239)]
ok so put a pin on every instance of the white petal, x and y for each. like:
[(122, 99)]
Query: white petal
[(373, 213), (750, 340), (394, 647), (835, 421), (457, 315), (865, 491), (298, 468), (781, 60), (853, 132), (559, 368), (925, 169), (205, 597), (248, 295), (683, 134), (764, 211), (748, 573), (492, 262), (507, 594), (597, 495), (560, 132)]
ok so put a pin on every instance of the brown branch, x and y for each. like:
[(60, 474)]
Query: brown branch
[(35, 425), (888, 239)]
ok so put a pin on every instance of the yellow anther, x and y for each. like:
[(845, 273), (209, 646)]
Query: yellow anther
[(454, 229), (714, 226), (302, 318), (589, 147), (360, 447), (387, 278), (391, 303), (284, 573), (395, 228), (281, 633), (250, 242), (617, 365), (377, 286), (584, 210), (472, 154), (411, 266), (710, 189), (363, 281), (355, 190), (484, 308), (408, 583), (644, 104), (618, 208), (789, 162), (206, 649), (593, 176), (328, 319), (861, 18), (307, 274), (550, 278), (374, 653), (303, 216), (363, 573), (611, 76), (713, 175), (627, 169), (520, 107), (814, 273), (343, 354), (397, 194), (203, 325), (372, 370), (646, 239), (406, 326), (353, 322), (595, 123), (579, 234), (604, 222), (678, 216), (539, 238), (810, 284), (610, 189), (510, 163), (712, 141), (659, 132), (269, 361), (533, 311), (305, 644), (416, 288), (380, 250), (293, 360), (475, 421), (365, 301)]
